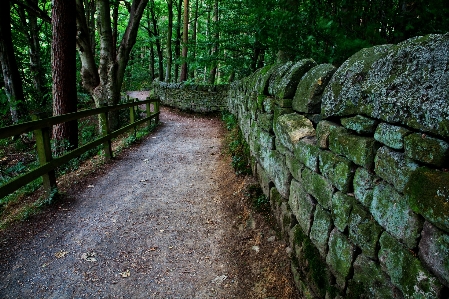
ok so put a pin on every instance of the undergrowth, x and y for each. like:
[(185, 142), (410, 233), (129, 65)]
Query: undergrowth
[(236, 145)]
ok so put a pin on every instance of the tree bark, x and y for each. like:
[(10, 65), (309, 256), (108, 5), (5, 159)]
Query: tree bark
[(169, 36), (159, 51), (213, 71), (11, 75), (64, 69), (178, 39), (185, 40), (193, 41)]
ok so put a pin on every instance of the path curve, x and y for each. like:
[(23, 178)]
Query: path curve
[(153, 227)]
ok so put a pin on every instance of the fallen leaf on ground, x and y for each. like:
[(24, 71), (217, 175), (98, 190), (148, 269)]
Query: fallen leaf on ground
[(125, 274), (90, 186), (61, 254), (89, 257), (153, 248)]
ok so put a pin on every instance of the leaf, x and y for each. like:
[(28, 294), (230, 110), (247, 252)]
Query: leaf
[(125, 274), (89, 257), (61, 254)]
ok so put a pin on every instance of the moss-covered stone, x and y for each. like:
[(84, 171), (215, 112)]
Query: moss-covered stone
[(426, 149), (260, 139), (360, 150), (434, 251), (406, 271), (307, 152), (390, 135), (290, 128), (308, 94), (428, 194), (364, 231), (341, 210), (279, 111), (265, 122), (281, 148), (284, 103), (284, 81), (264, 180), (391, 210), (294, 166), (364, 183), (404, 83), (323, 130), (302, 205), (394, 167), (369, 281), (274, 163), (360, 124), (314, 118), (269, 104), (286, 220), (262, 78), (320, 230), (318, 186), (340, 256), (337, 169)]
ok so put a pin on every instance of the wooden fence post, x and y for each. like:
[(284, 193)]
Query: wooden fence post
[(148, 105), (43, 147), (156, 110), (132, 115), (104, 127)]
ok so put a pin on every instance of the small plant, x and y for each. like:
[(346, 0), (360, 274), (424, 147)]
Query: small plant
[(258, 200), (237, 147)]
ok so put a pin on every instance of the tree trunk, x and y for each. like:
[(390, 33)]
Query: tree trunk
[(169, 36), (11, 75), (193, 41), (213, 71), (152, 62), (178, 38), (185, 40), (63, 50), (160, 54)]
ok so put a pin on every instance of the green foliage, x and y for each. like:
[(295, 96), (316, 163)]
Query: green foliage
[(258, 200), (237, 147)]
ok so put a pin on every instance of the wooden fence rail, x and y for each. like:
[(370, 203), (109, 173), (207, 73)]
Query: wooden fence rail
[(42, 128)]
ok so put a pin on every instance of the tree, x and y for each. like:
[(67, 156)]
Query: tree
[(104, 82), (185, 40), (169, 36), (11, 75), (64, 69), (214, 53)]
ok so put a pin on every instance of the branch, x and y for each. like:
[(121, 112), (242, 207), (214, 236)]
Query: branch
[(31, 8)]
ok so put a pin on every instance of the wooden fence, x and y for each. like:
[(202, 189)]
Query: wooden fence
[(42, 129)]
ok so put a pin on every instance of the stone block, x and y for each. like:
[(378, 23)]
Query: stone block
[(284, 103), (265, 122), (427, 149), (307, 152), (320, 230), (360, 124), (360, 150), (364, 231), (394, 167), (369, 281), (338, 170), (286, 219), (284, 81), (341, 210), (274, 163), (264, 180), (302, 205), (406, 271), (281, 148), (319, 187), (428, 194), (294, 166), (390, 135), (261, 79), (269, 104), (290, 128), (391, 210), (279, 111), (364, 183), (340, 256), (323, 130), (314, 118), (308, 94)]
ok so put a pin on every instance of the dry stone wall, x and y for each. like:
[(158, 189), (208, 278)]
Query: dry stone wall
[(355, 163), (192, 97)]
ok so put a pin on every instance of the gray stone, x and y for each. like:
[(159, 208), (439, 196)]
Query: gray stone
[(319, 187), (324, 129), (290, 128), (391, 210), (274, 164), (406, 272), (307, 152), (308, 94), (434, 251), (404, 83), (284, 81), (294, 166), (302, 205), (364, 183), (390, 135), (337, 169), (394, 167), (341, 210)]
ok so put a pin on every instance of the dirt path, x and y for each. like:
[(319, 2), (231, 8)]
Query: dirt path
[(168, 220)]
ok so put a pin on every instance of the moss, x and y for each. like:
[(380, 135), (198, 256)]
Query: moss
[(340, 256), (337, 169), (364, 231), (427, 149), (321, 227), (364, 183), (390, 135), (319, 187), (360, 124), (432, 201), (307, 153), (341, 210)]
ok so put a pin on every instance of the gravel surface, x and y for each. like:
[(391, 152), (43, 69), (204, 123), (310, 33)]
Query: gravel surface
[(163, 222)]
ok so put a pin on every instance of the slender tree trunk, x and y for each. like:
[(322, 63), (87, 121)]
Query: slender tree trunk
[(114, 27), (160, 54), (152, 62), (213, 71), (11, 75), (64, 69), (178, 39), (193, 41), (169, 36), (185, 40)]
